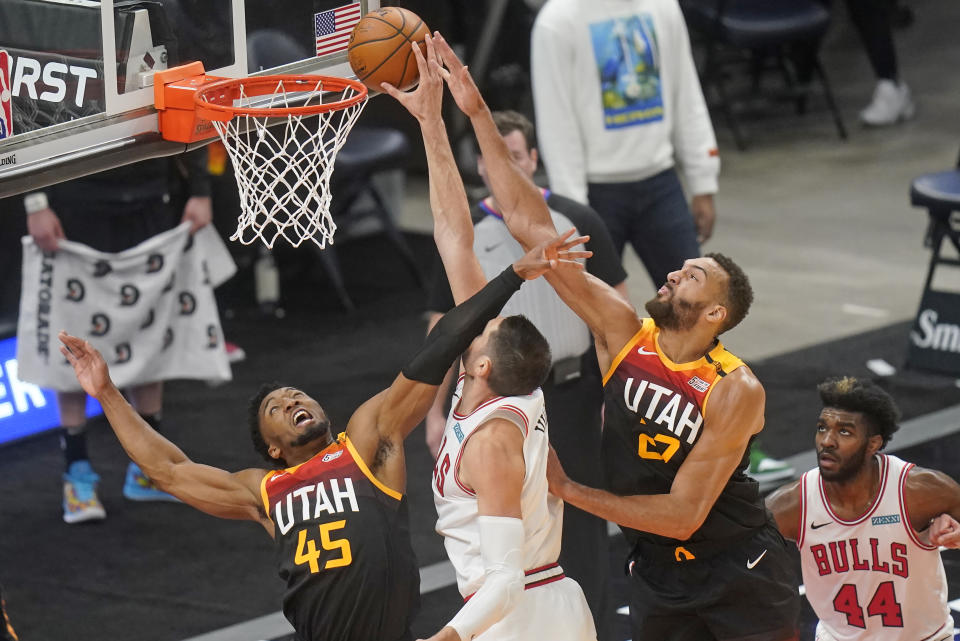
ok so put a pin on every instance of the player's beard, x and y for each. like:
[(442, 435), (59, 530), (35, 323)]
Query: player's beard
[(315, 431), (673, 313), (848, 468)]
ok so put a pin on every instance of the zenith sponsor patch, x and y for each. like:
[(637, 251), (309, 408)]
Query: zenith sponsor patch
[(886, 519)]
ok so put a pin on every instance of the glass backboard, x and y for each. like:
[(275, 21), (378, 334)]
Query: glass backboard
[(76, 76)]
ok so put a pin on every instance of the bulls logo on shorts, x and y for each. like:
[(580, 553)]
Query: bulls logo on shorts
[(188, 304), (213, 337), (6, 97), (154, 263), (124, 353), (99, 324), (129, 295), (101, 268), (75, 290), (150, 317), (168, 338)]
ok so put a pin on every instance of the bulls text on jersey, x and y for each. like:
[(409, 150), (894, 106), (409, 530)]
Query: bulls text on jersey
[(853, 554)]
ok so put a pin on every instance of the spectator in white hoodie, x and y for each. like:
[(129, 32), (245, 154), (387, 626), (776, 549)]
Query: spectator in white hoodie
[(618, 105)]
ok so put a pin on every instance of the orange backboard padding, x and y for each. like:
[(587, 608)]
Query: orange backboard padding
[(173, 96)]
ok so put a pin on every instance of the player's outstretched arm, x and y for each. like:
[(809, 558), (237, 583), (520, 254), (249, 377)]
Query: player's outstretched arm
[(380, 425), (492, 465), (933, 502), (611, 319), (735, 413), (522, 204), (784, 504), (512, 189), (212, 490), (452, 227)]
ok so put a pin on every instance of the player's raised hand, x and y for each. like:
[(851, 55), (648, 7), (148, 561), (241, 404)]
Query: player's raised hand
[(457, 76), (944, 531), (556, 253), (424, 102), (88, 365)]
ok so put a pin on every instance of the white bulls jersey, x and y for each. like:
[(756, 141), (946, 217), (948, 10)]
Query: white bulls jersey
[(457, 504), (856, 572)]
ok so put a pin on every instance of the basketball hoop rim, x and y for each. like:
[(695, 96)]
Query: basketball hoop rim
[(268, 83)]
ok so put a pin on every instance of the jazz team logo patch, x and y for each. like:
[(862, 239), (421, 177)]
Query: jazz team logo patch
[(6, 97)]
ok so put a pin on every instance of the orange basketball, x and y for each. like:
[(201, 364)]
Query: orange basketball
[(381, 47)]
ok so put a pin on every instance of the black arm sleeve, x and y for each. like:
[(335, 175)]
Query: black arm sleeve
[(439, 296), (453, 333)]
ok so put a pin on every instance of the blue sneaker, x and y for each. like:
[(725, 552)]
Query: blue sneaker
[(80, 502), (138, 487)]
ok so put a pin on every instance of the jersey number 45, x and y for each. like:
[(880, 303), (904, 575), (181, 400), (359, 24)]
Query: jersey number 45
[(308, 553)]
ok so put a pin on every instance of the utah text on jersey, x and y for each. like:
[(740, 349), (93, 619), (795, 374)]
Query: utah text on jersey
[(662, 402), (662, 406), (312, 502)]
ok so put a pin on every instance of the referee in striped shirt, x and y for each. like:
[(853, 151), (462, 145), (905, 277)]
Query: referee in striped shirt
[(574, 390)]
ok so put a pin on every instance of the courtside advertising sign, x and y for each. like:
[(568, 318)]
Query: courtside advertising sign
[(26, 409), (935, 336), (6, 97)]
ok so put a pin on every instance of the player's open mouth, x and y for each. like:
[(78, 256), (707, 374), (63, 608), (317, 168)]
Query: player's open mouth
[(300, 417)]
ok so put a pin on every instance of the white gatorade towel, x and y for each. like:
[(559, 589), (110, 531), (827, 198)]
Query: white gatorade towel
[(150, 310)]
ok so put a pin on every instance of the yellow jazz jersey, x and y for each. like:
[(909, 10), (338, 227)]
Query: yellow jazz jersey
[(654, 414), (343, 548)]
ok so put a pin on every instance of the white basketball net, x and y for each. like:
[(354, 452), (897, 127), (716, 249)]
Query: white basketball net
[(283, 171)]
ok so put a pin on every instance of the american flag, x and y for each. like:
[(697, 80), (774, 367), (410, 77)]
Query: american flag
[(333, 27)]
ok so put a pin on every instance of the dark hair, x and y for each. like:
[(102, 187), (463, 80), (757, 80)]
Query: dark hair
[(858, 395), (509, 121), (253, 420), (521, 357), (739, 292)]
